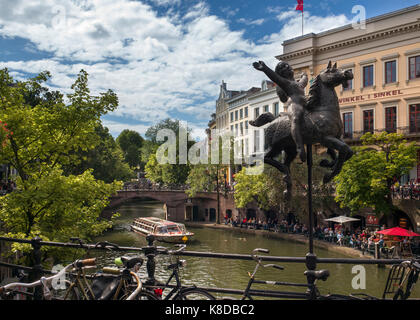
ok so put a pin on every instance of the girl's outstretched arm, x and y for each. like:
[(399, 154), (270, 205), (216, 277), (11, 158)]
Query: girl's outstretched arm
[(280, 81)]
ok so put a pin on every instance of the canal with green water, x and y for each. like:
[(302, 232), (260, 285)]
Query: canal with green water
[(223, 273)]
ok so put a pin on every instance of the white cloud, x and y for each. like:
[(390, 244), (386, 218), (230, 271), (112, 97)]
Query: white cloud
[(159, 66), (257, 22)]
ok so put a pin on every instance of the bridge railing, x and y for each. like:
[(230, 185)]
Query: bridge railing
[(36, 271)]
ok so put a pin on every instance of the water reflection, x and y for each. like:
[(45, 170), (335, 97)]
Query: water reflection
[(226, 273)]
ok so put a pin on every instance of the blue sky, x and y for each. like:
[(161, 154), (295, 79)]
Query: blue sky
[(163, 58)]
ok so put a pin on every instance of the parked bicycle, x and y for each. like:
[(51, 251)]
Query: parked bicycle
[(10, 290), (311, 293), (178, 291), (400, 283)]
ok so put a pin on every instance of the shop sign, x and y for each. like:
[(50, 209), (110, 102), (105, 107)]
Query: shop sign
[(372, 220)]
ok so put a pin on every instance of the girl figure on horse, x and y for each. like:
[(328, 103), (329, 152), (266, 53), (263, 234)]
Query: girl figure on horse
[(287, 88)]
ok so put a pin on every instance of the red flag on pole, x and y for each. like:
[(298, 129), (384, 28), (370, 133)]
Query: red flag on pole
[(299, 7)]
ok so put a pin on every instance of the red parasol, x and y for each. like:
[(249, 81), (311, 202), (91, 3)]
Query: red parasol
[(397, 231)]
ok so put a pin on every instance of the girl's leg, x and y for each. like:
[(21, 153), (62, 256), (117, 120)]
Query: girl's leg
[(296, 130)]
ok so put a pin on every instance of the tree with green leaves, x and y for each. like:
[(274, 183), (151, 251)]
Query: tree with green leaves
[(130, 143), (366, 179), (146, 151), (211, 177), (169, 124), (47, 135), (167, 173), (106, 159), (266, 188)]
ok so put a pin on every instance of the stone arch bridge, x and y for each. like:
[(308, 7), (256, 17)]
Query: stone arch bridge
[(178, 205)]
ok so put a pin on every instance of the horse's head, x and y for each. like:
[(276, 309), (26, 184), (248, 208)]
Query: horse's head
[(332, 76)]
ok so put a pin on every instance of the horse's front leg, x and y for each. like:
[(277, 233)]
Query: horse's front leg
[(344, 153), (329, 164)]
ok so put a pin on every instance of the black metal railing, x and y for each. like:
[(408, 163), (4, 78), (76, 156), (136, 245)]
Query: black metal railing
[(36, 271)]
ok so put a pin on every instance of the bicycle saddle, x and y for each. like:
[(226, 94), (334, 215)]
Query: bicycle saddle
[(321, 274), (130, 262)]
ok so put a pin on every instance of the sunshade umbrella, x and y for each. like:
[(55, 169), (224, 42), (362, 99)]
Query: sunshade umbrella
[(397, 231), (342, 219)]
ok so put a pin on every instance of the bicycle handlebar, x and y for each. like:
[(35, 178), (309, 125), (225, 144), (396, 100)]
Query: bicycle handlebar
[(107, 245), (254, 256), (181, 248), (36, 283), (85, 263), (276, 266)]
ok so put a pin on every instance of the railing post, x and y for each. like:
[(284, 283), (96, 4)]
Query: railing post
[(311, 258), (150, 252), (378, 255), (37, 267)]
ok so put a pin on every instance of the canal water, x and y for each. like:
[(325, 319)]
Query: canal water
[(223, 273)]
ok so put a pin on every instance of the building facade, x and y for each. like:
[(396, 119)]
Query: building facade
[(266, 100), (222, 113), (385, 92), (385, 59), (239, 116)]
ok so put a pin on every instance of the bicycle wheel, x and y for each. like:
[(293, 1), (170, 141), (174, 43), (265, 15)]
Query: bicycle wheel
[(399, 295), (338, 297), (145, 295), (194, 294)]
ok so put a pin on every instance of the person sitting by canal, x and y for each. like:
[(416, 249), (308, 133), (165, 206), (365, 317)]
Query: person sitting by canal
[(330, 234), (283, 76), (244, 222), (352, 240), (339, 238), (381, 241)]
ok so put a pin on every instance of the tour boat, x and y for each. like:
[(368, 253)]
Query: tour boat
[(162, 230)]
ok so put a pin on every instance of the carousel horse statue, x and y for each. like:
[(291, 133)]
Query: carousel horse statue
[(313, 119)]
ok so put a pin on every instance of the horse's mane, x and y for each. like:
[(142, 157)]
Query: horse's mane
[(312, 99)]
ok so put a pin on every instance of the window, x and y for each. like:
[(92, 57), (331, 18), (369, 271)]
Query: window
[(256, 140), (231, 117), (390, 71), (257, 112), (414, 118), (242, 128), (246, 112), (368, 76), (348, 125), (276, 109), (231, 128), (236, 129), (391, 119), (368, 121), (236, 115), (349, 85), (241, 113), (265, 108), (246, 125), (246, 146), (414, 67)]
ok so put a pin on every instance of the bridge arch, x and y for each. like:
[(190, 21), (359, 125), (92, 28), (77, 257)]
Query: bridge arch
[(177, 204)]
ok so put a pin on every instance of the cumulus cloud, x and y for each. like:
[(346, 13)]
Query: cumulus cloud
[(160, 65), (251, 21)]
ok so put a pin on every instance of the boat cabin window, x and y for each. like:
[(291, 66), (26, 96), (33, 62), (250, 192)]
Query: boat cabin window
[(173, 228), (162, 229)]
